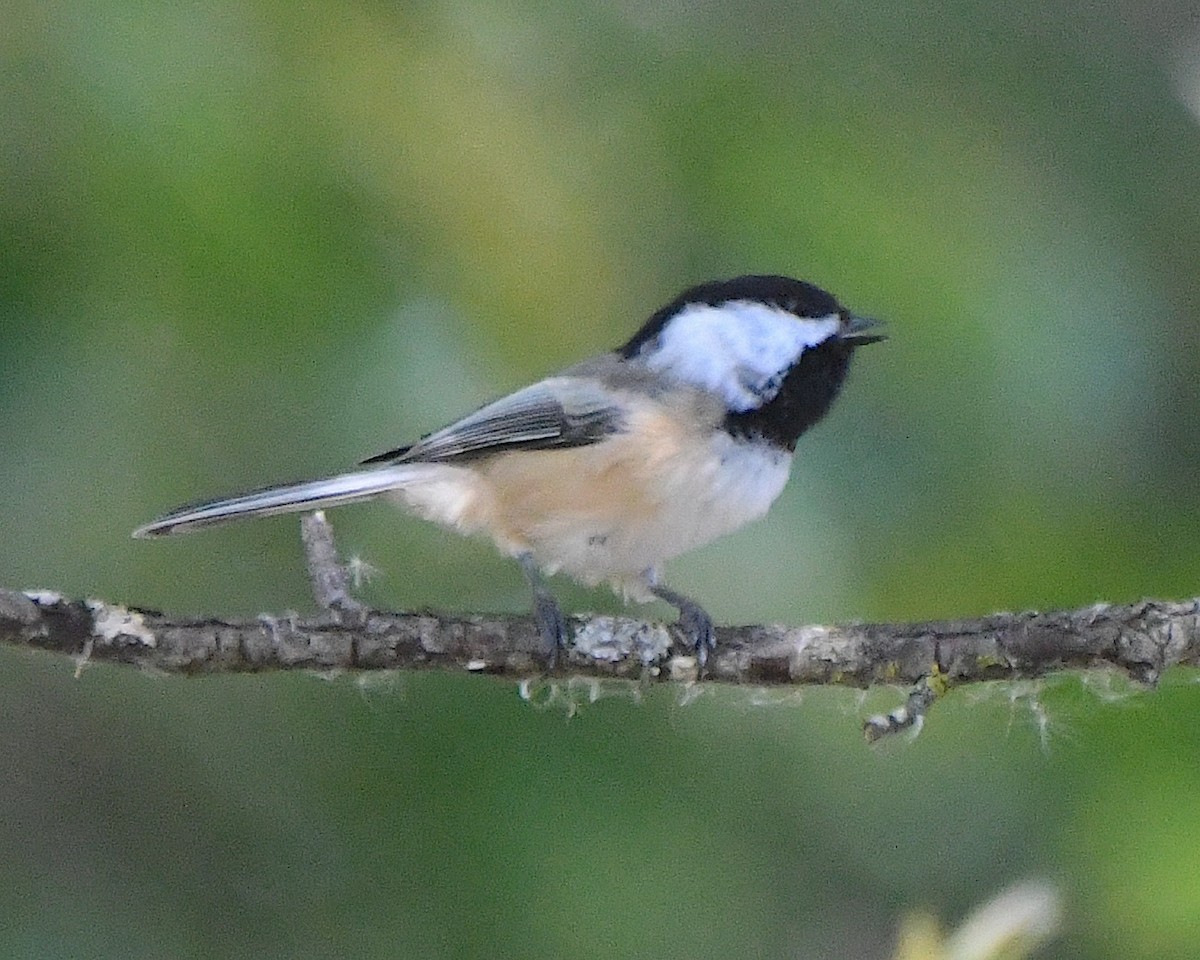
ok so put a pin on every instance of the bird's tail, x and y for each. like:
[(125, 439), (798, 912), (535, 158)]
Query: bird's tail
[(291, 498)]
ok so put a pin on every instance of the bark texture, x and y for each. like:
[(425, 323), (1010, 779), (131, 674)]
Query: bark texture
[(1140, 639)]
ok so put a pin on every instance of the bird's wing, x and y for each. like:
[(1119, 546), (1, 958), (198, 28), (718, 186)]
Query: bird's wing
[(558, 412)]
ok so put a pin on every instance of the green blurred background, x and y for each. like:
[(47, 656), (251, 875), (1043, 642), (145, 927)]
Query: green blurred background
[(251, 242)]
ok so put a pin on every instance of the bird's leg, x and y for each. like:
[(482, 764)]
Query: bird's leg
[(695, 625), (547, 614)]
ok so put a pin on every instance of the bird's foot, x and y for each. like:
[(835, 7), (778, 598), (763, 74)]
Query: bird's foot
[(552, 626), (694, 623), (547, 614)]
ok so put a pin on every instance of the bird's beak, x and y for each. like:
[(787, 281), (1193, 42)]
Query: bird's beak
[(854, 331)]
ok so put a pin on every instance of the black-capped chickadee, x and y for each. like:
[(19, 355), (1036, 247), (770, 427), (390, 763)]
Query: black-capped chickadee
[(621, 462)]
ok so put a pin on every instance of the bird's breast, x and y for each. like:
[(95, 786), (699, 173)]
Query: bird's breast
[(613, 509)]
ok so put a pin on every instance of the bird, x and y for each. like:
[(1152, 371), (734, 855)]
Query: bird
[(623, 461)]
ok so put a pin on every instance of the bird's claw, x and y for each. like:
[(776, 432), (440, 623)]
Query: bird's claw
[(695, 625), (551, 625), (697, 629), (547, 614)]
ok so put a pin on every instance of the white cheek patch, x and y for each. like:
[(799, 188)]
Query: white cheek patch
[(739, 350)]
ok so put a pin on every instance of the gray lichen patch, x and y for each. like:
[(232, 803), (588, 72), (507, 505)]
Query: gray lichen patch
[(112, 623), (616, 640)]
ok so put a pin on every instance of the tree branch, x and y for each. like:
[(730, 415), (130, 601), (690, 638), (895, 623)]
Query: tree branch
[(1140, 639)]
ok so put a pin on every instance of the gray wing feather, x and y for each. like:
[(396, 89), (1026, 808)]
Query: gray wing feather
[(560, 412)]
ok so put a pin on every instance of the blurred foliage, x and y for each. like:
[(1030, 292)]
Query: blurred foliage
[(252, 242)]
